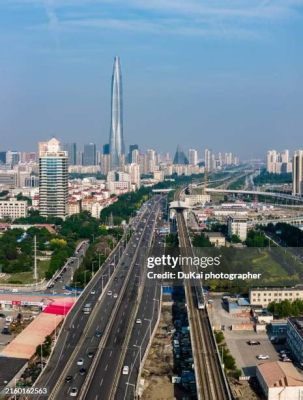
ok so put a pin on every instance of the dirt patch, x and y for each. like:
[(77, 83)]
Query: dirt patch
[(158, 367)]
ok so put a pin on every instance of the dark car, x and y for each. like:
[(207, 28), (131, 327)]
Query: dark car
[(90, 354), (253, 342), (98, 334), (69, 378), (5, 331), (82, 371)]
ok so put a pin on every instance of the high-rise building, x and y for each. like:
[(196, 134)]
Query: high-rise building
[(208, 160), (53, 178), (118, 182), (79, 158), (135, 157), (193, 156), (116, 140), (132, 147), (13, 157), (151, 160), (89, 154), (2, 157), (134, 172), (71, 149), (180, 158), (28, 157), (106, 149), (278, 162), (105, 163), (297, 173)]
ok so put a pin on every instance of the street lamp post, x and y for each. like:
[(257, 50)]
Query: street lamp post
[(140, 351), (134, 388), (85, 278), (150, 321), (93, 262), (102, 277)]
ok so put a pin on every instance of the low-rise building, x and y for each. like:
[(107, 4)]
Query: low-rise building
[(237, 226), (294, 337), (197, 199), (216, 238), (264, 296), (263, 317), (280, 380), (13, 209)]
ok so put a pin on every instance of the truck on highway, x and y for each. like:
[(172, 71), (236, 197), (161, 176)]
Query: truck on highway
[(87, 308)]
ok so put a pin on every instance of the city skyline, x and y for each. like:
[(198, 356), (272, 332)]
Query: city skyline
[(227, 72)]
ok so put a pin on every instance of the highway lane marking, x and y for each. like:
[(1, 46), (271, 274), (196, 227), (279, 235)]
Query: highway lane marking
[(111, 352), (92, 339), (100, 385), (105, 369), (115, 339)]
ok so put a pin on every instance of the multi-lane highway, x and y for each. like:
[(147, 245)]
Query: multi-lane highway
[(89, 345), (146, 319), (136, 304)]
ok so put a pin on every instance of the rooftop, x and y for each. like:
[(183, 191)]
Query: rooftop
[(270, 289), (214, 234), (297, 324), (280, 374)]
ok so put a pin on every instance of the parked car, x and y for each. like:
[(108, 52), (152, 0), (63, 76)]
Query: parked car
[(262, 357), (253, 342)]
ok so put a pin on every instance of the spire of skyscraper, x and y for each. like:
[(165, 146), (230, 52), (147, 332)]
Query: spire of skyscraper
[(116, 129)]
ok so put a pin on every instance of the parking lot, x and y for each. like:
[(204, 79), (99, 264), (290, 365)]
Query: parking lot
[(244, 354)]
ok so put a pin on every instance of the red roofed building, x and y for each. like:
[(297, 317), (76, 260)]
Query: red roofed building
[(280, 380)]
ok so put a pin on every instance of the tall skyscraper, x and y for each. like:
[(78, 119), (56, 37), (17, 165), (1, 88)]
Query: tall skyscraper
[(71, 149), (53, 178), (116, 140), (193, 156), (297, 188), (180, 158), (89, 154)]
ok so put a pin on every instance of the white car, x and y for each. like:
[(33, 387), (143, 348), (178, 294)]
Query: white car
[(80, 361), (115, 295), (262, 357), (93, 292), (125, 370), (109, 293), (138, 321)]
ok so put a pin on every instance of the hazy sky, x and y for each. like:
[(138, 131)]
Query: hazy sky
[(223, 74)]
